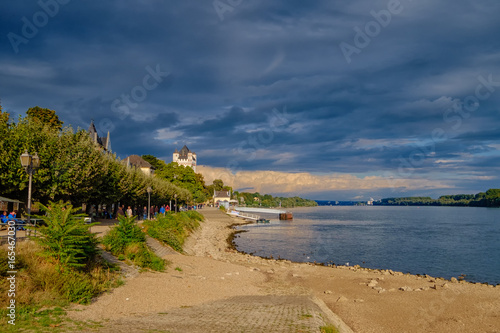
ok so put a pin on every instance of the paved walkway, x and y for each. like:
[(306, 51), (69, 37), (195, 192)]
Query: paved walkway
[(237, 314)]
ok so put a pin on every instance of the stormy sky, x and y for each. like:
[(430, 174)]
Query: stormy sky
[(324, 99)]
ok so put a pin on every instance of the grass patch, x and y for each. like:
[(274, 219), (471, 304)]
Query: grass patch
[(173, 229), (43, 290), (59, 267), (128, 241), (178, 269), (328, 329)]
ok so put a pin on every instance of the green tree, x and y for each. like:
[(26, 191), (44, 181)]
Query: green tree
[(46, 116), (158, 164), (72, 169), (4, 116), (218, 184), (181, 176)]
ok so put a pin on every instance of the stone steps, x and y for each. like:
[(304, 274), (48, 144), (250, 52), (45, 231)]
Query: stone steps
[(158, 248)]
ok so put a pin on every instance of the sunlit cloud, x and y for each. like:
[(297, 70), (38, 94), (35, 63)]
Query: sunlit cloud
[(303, 182)]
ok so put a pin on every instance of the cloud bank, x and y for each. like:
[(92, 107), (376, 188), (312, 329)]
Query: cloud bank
[(418, 100)]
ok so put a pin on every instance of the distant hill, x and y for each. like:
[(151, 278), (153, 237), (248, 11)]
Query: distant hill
[(339, 203), (266, 200), (490, 198)]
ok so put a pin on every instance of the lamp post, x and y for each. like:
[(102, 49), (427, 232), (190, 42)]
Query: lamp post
[(30, 163), (175, 196), (149, 201)]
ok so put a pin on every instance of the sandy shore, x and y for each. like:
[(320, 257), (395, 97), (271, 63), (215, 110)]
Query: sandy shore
[(366, 300)]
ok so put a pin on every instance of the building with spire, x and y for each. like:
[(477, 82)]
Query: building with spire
[(185, 157), (103, 143)]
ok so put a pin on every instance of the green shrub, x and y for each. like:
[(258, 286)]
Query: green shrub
[(42, 284), (173, 229), (65, 237), (140, 254), (122, 235), (167, 236), (127, 241), (328, 329)]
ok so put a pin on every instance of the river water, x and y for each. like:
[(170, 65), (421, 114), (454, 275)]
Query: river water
[(439, 241)]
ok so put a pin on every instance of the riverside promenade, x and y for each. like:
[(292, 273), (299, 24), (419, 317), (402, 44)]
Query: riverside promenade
[(213, 288), (204, 292)]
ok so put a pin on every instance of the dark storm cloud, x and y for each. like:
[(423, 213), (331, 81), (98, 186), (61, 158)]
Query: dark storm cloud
[(226, 76)]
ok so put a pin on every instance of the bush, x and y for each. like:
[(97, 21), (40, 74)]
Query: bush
[(127, 241), (143, 257), (122, 235), (65, 237), (173, 229)]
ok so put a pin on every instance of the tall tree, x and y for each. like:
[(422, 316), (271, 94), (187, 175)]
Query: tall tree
[(4, 116), (218, 184), (46, 116)]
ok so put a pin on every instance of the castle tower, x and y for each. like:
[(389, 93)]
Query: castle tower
[(185, 157)]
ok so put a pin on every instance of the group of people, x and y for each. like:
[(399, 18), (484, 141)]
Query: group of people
[(7, 217), (154, 211)]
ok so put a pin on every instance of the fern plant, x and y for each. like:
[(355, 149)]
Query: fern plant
[(65, 237)]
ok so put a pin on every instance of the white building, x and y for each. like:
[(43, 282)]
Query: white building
[(185, 157)]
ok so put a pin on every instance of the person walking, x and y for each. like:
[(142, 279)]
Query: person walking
[(162, 210), (120, 212), (129, 211)]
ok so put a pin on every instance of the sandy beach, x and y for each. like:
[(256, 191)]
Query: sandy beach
[(366, 300)]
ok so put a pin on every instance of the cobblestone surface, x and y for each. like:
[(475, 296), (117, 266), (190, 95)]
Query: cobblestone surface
[(237, 314)]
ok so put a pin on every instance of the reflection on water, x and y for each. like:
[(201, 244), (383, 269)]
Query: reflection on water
[(439, 241)]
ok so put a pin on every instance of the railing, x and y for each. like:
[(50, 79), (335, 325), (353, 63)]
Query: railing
[(249, 216), (246, 216), (13, 227)]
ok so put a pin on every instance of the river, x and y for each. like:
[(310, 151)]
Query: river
[(439, 241)]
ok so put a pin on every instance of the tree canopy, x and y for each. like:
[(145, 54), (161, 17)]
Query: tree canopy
[(46, 116), (267, 200), (72, 169), (490, 198), (4, 116), (181, 176)]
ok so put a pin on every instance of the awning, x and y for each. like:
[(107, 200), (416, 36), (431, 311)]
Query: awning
[(10, 200)]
